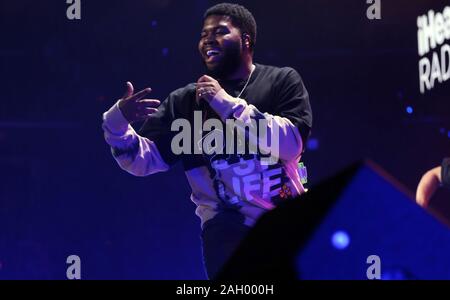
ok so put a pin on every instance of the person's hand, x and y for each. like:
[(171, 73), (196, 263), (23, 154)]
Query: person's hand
[(134, 108), (428, 185), (207, 88)]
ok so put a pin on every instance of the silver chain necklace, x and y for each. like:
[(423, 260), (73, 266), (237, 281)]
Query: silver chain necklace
[(248, 80)]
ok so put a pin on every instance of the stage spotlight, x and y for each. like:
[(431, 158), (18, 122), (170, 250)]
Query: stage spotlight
[(409, 109), (340, 240)]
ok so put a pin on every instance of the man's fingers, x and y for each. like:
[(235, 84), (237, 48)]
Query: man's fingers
[(203, 85), (145, 113), (129, 91), (205, 78), (149, 110), (201, 79), (149, 102), (140, 95)]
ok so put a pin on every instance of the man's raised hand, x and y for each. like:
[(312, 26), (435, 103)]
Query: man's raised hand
[(134, 108)]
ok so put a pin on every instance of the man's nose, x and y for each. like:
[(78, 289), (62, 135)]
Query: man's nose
[(209, 39)]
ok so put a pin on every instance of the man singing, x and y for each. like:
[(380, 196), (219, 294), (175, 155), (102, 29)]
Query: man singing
[(231, 190)]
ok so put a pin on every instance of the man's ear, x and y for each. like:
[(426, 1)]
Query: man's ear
[(246, 40)]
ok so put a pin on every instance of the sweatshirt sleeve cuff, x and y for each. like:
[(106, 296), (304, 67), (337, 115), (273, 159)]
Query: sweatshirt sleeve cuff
[(114, 120), (223, 104)]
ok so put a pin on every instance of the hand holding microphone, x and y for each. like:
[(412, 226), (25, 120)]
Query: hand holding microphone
[(207, 88)]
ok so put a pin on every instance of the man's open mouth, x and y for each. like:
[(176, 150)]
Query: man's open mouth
[(211, 54)]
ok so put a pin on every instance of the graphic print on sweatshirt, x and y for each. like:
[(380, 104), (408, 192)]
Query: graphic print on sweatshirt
[(247, 177)]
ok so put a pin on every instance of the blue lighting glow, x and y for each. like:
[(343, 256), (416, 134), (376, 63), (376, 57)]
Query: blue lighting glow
[(165, 51), (409, 110), (340, 240), (312, 144)]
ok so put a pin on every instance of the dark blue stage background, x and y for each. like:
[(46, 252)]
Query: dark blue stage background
[(62, 193)]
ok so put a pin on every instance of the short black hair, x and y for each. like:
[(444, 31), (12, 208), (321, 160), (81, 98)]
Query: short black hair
[(240, 16)]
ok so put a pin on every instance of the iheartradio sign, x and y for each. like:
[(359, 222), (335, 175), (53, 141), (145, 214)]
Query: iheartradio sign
[(433, 35)]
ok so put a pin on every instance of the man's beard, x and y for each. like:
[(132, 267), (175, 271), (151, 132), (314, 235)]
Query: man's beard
[(229, 63)]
